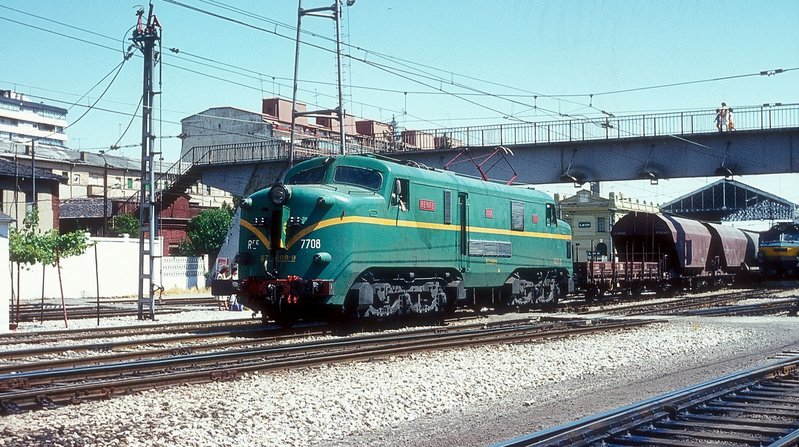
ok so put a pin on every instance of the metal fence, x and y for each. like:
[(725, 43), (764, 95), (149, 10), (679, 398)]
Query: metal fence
[(769, 116)]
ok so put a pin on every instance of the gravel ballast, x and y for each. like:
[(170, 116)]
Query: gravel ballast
[(468, 396)]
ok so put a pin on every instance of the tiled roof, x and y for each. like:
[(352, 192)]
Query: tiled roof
[(11, 169), (83, 208), (57, 153)]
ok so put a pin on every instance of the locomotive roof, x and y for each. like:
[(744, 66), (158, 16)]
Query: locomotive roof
[(421, 173)]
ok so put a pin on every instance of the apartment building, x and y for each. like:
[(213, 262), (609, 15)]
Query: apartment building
[(33, 139)]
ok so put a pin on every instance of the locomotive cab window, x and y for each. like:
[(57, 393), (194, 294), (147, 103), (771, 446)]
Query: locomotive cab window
[(365, 178), (400, 194), (309, 176), (552, 219)]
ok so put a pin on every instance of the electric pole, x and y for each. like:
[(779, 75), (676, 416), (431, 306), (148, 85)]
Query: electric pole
[(328, 12), (145, 37)]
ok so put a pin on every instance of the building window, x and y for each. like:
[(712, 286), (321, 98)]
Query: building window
[(130, 183), (601, 225)]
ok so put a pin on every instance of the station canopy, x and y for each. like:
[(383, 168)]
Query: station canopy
[(730, 200)]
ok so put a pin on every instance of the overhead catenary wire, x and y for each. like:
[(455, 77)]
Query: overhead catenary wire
[(199, 73), (405, 92), (476, 94)]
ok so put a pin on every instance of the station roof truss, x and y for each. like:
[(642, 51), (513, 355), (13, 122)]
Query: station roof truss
[(730, 200)]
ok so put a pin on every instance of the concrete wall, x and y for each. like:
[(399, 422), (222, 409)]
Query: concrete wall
[(117, 265), (223, 125)]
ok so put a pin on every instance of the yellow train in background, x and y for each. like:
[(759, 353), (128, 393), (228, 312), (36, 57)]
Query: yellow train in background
[(778, 253)]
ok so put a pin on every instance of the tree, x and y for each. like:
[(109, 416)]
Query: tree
[(125, 224), (30, 246), (206, 232), (27, 245)]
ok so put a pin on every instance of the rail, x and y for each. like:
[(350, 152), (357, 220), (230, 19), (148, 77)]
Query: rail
[(752, 407)]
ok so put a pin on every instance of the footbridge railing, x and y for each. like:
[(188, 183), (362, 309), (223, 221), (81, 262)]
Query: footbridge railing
[(767, 116)]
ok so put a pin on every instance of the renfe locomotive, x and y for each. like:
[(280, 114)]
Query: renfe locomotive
[(359, 236), (779, 251)]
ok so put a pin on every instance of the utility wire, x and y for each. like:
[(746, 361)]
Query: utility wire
[(176, 51), (407, 74), (700, 81), (132, 118), (440, 79)]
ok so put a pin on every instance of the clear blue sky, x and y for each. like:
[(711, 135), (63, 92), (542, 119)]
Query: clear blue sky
[(511, 47)]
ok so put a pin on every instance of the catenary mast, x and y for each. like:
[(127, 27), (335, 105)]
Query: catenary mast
[(328, 12), (145, 37)]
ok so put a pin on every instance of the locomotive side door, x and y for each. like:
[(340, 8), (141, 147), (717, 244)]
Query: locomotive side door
[(463, 232)]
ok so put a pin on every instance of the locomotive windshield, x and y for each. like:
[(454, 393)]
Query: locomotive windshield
[(366, 178), (786, 233), (309, 176)]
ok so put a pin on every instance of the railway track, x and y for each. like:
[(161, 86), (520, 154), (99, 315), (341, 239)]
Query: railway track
[(757, 407), (61, 335), (789, 305), (188, 340), (109, 308), (44, 387), (681, 305)]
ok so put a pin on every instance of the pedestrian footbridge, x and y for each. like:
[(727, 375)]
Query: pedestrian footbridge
[(572, 149)]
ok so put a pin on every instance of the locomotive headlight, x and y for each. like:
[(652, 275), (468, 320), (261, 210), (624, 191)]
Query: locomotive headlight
[(279, 194)]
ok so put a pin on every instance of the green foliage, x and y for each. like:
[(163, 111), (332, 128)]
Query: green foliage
[(125, 224), (206, 232), (29, 245)]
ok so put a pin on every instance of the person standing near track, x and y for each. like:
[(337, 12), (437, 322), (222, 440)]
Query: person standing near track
[(221, 301), (234, 276)]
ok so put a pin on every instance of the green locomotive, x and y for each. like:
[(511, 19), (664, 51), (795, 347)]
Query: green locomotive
[(367, 237)]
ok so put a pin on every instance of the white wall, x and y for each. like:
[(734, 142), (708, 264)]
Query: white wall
[(5, 278), (117, 265)]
